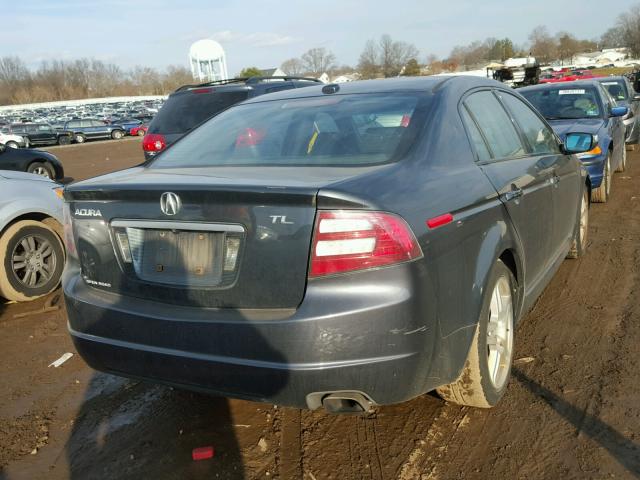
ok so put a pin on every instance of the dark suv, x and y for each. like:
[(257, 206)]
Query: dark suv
[(191, 105), (90, 129), (39, 134)]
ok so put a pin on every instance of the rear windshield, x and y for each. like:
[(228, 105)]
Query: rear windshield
[(342, 130), (182, 112), (617, 89), (565, 102)]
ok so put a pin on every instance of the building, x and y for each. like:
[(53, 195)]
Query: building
[(273, 72), (208, 61)]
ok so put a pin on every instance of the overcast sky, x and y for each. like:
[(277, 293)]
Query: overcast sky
[(158, 33)]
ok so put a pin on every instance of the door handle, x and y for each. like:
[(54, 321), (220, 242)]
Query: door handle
[(513, 194)]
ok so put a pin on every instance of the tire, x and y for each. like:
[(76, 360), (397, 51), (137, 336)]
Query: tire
[(581, 234), (27, 280), (42, 168), (12, 144), (477, 386), (601, 194), (64, 140), (623, 163), (140, 132), (79, 138), (117, 134)]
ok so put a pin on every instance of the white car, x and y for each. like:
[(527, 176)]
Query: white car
[(31, 247), (12, 141)]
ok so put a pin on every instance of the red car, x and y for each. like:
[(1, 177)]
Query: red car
[(140, 130)]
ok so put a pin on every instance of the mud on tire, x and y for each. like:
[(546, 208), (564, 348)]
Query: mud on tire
[(475, 386), (11, 286)]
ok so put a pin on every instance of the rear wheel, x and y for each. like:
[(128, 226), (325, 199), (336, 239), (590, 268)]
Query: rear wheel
[(79, 138), (140, 132), (12, 144), (486, 372), (582, 228), (601, 194), (623, 163), (32, 261), (117, 134), (41, 168), (64, 140)]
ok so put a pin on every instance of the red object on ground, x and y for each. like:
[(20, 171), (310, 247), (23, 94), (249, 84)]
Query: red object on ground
[(202, 453)]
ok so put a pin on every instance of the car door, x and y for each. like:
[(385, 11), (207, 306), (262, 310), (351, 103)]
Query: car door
[(523, 182), (567, 181), (49, 135), (615, 127), (101, 129)]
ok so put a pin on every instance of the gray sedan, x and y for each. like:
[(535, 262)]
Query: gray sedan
[(31, 247)]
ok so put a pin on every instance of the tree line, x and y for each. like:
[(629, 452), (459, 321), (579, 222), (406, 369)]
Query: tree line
[(382, 57), (82, 78)]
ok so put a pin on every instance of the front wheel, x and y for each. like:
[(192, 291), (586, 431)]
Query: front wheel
[(41, 168), (486, 371), (582, 228), (32, 261), (117, 134), (601, 194), (12, 144), (64, 140), (141, 132)]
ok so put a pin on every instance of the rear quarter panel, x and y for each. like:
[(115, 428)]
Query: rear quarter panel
[(441, 177)]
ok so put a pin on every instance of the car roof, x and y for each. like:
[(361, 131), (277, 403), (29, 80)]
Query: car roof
[(397, 84), (562, 85)]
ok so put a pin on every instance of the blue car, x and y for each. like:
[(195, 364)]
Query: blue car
[(586, 107), (127, 123)]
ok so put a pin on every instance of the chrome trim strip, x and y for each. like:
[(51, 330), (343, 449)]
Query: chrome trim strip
[(189, 226)]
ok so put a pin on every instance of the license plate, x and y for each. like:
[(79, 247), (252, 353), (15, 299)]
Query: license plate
[(185, 258)]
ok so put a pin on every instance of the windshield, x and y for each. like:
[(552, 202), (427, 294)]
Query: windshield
[(617, 89), (343, 130), (565, 103)]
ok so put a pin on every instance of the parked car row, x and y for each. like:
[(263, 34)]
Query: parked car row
[(336, 246), (587, 106), (107, 111)]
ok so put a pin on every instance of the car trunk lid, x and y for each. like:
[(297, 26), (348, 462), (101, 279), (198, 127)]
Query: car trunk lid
[(222, 237)]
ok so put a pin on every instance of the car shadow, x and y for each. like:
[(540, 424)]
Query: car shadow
[(128, 428), (623, 450)]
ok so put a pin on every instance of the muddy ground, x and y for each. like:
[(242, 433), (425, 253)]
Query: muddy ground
[(572, 410)]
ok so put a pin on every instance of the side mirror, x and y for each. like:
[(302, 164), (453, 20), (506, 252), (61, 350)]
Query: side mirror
[(579, 143), (619, 111)]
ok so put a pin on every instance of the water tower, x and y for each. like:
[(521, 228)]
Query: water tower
[(208, 61)]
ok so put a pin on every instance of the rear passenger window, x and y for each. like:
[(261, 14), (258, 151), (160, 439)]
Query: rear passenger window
[(476, 137), (540, 137), (495, 124)]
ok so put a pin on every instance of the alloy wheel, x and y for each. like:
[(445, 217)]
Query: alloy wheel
[(33, 261), (500, 333)]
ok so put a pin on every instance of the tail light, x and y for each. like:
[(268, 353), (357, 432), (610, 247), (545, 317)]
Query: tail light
[(346, 241), (69, 241), (153, 142)]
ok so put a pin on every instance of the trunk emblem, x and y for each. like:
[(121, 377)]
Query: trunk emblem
[(170, 203)]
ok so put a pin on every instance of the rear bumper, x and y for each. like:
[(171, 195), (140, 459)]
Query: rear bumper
[(353, 333)]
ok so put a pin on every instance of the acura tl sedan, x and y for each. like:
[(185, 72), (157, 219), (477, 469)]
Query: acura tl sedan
[(339, 246)]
